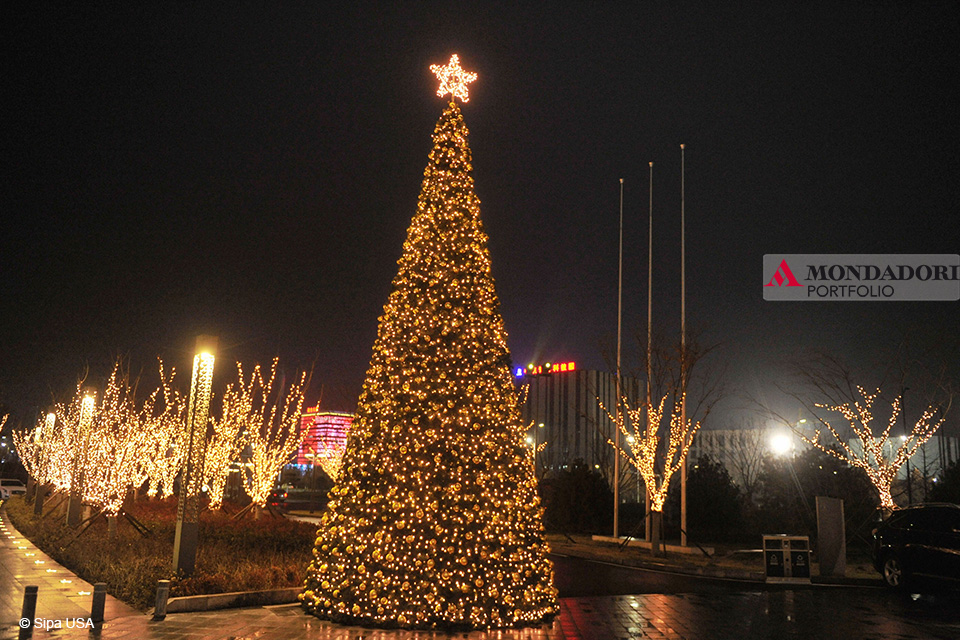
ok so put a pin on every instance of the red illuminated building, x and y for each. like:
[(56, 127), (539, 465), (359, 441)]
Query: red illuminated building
[(325, 431)]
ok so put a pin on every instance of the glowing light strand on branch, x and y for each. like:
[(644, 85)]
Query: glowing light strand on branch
[(271, 423), (164, 419), (643, 454), (879, 468), (226, 442)]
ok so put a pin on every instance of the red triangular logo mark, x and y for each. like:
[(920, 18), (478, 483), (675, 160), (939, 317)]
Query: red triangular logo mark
[(781, 275)]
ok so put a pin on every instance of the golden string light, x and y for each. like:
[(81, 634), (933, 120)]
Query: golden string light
[(163, 417), (881, 469), (329, 455), (270, 423), (99, 448), (453, 79), (645, 433), (226, 443), (435, 520)]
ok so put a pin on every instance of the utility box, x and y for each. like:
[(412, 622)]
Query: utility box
[(786, 558)]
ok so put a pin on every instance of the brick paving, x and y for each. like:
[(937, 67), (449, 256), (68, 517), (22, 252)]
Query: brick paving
[(826, 612), (61, 594)]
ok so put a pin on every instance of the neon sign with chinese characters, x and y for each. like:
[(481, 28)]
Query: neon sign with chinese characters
[(544, 369)]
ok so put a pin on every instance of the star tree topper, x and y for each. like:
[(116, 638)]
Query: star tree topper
[(453, 79)]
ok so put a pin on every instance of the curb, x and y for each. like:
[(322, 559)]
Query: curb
[(722, 572), (236, 599)]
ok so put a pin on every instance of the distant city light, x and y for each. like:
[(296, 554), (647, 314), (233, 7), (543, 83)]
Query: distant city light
[(781, 444), (545, 369)]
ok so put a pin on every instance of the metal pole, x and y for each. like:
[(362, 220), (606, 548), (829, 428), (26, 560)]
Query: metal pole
[(683, 347), (163, 594), (646, 499), (28, 611), (616, 458), (99, 600), (903, 416)]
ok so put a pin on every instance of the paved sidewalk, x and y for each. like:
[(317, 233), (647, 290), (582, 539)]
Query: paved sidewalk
[(61, 594), (799, 615)]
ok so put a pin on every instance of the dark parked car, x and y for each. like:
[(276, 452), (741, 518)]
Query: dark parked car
[(922, 540), (277, 498), (297, 500)]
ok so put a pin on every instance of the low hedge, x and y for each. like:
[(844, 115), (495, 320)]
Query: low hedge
[(233, 555)]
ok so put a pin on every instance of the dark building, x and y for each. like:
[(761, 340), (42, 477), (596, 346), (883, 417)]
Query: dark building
[(565, 417)]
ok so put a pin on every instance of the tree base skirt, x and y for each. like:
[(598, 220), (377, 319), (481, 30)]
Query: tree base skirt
[(352, 621)]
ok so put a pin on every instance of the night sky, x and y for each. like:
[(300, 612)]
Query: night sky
[(250, 173)]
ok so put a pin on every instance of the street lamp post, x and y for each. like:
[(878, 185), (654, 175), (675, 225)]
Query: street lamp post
[(75, 502), (198, 412)]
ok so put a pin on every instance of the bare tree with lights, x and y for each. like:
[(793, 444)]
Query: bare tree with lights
[(114, 446), (328, 454), (671, 371), (656, 451), (915, 364), (163, 417), (435, 521), (226, 440), (871, 454), (267, 417)]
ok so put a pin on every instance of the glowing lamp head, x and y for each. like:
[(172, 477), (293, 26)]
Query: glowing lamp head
[(781, 444)]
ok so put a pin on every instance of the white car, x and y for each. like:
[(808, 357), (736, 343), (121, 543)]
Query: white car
[(11, 487)]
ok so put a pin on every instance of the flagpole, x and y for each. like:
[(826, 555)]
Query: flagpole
[(683, 346), (646, 499), (616, 459)]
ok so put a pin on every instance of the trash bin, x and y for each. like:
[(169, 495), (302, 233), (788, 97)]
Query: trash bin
[(786, 558)]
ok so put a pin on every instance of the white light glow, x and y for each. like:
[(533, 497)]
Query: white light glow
[(781, 444)]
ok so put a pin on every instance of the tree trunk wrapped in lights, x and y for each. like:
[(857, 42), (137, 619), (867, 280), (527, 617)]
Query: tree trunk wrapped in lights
[(644, 452), (435, 520), (270, 423), (328, 455), (226, 442), (881, 469), (115, 451), (163, 418), (114, 446)]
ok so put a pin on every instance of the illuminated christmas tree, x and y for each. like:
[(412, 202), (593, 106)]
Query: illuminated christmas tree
[(435, 519)]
